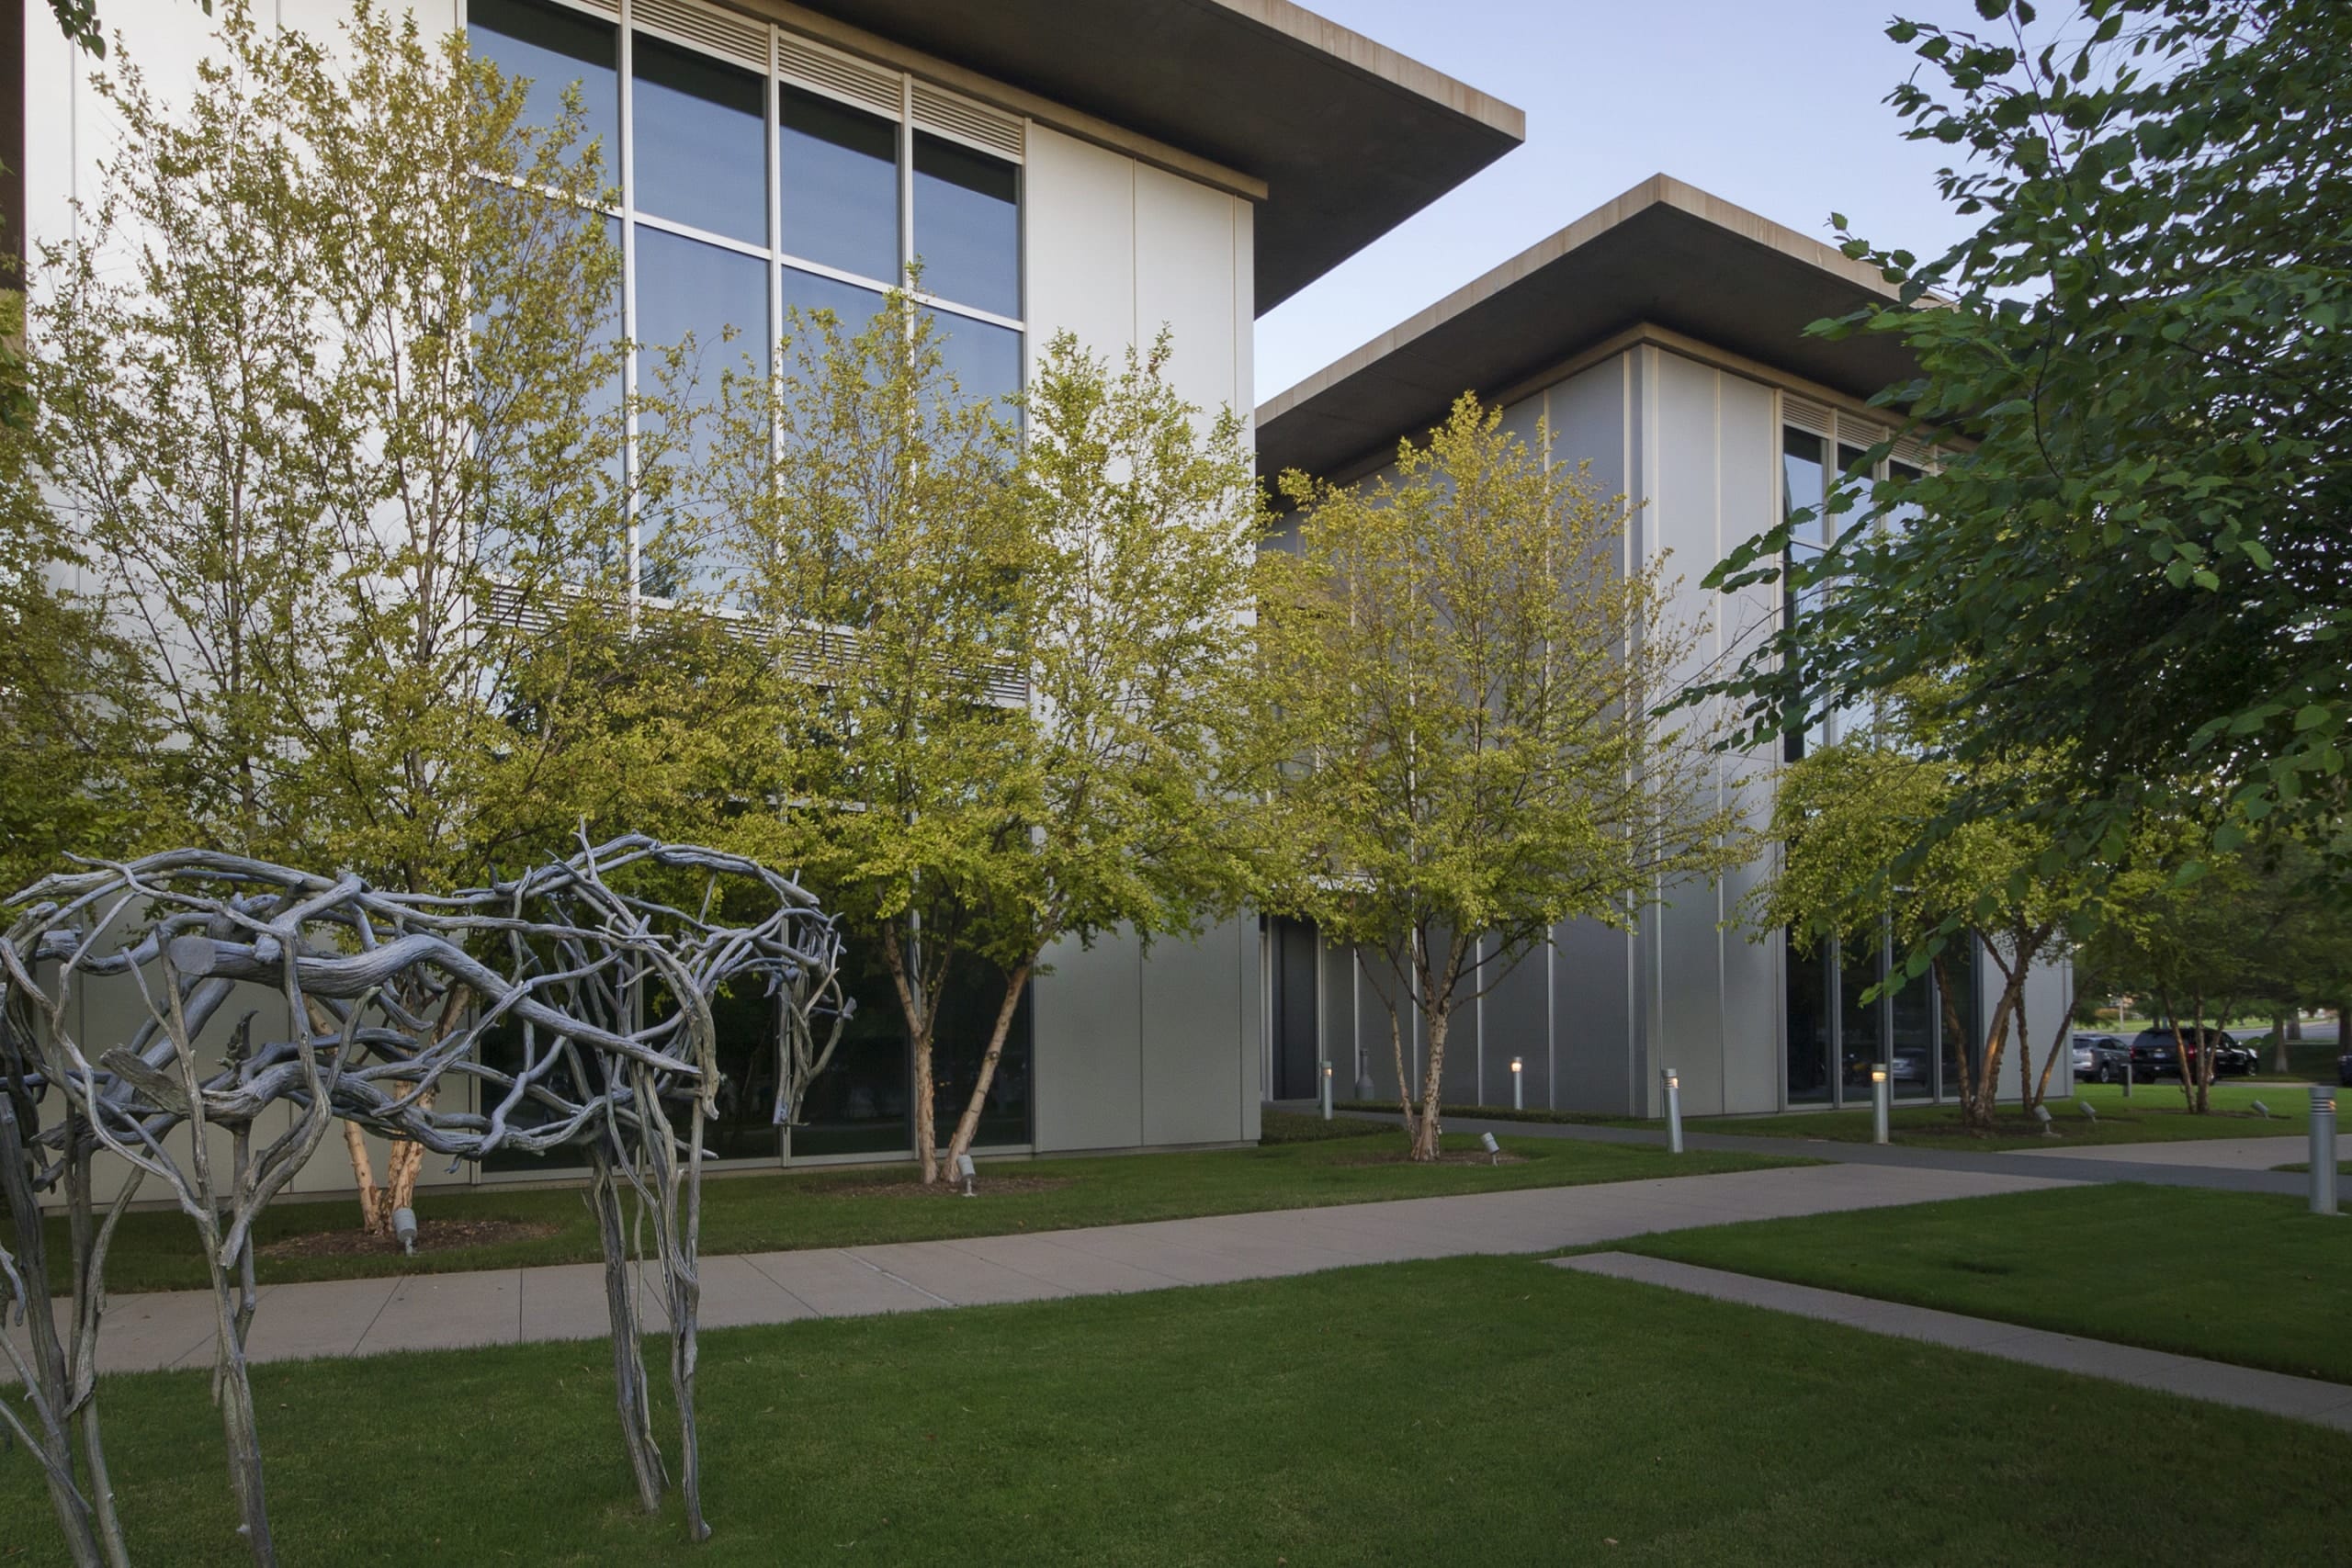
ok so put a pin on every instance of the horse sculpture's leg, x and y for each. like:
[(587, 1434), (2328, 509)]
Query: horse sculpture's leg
[(682, 1265), (628, 1353)]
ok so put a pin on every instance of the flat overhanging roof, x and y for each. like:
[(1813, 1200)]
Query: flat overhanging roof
[(1665, 253), (1350, 138)]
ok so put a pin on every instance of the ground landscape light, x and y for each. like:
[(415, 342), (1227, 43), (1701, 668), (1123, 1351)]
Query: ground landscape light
[(1494, 1150), (2041, 1114), (2263, 1108), (964, 1169), (2090, 1113)]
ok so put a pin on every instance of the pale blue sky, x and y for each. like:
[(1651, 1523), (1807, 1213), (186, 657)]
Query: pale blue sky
[(1775, 105)]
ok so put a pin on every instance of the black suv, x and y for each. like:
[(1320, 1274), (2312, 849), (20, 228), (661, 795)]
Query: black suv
[(2158, 1053)]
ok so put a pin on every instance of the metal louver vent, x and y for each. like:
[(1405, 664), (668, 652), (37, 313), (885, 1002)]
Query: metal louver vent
[(966, 121), (1804, 415), (1916, 453), (1859, 432), (839, 75), (714, 30), (605, 7)]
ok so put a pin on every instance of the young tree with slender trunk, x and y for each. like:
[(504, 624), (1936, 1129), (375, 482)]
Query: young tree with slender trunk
[(329, 392), (1455, 705), (871, 545), (1139, 523)]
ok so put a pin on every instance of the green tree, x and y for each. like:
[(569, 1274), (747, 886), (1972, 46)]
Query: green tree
[(1881, 828), (2134, 559), (1139, 523), (870, 539), (1456, 683), (328, 385)]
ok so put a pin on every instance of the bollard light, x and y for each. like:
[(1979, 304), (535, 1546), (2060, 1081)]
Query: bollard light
[(1494, 1150), (1881, 1093), (2041, 1114), (404, 1230), (2322, 1150), (1326, 1091), (1673, 1109), (964, 1169), (1518, 1094), (2127, 1072), (2089, 1114)]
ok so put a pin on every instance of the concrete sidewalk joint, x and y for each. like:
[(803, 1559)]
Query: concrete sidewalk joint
[(2247, 1388)]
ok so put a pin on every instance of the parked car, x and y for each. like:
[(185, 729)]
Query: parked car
[(2344, 1069), (2163, 1052), (2110, 1055), (2085, 1052)]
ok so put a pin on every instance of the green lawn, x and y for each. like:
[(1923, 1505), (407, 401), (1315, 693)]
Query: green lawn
[(2155, 1113), (2239, 1277), (767, 1213), (1474, 1411)]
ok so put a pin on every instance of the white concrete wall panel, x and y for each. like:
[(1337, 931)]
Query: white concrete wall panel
[(1088, 1047), (1079, 207), (1192, 1037), (1184, 281)]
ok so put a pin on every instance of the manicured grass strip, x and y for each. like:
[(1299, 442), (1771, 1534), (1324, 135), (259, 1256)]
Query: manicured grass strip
[(155, 1251), (2155, 1113), (2343, 1167), (1471, 1411), (2243, 1276), (1290, 1127)]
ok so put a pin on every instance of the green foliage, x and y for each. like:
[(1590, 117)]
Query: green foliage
[(1456, 675), (1887, 825), (2134, 560), (328, 392), (78, 20)]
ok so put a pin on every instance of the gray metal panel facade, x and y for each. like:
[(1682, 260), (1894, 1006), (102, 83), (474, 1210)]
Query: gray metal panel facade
[(1089, 1047), (1192, 1037), (1516, 1021)]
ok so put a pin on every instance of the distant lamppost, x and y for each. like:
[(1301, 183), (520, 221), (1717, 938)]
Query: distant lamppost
[(1517, 1087), (1881, 1093), (1324, 1091), (1673, 1109)]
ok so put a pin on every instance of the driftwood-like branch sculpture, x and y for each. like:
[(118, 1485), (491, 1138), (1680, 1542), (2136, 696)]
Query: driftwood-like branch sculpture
[(253, 987)]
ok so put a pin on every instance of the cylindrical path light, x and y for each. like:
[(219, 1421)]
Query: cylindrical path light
[(1517, 1087), (1881, 1092), (1325, 1092), (1673, 1109), (2322, 1150)]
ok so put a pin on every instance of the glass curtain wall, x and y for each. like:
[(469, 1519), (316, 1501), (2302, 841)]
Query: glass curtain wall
[(744, 196), (1834, 1035)]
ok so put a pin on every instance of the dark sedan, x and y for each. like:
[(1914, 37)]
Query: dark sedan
[(2163, 1052)]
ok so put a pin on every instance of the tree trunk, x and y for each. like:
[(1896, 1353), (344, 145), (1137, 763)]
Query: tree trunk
[(2281, 1032), (1980, 1112), (920, 1015), (1962, 1052), (1425, 1134), (967, 1126), (375, 1218), (406, 1162)]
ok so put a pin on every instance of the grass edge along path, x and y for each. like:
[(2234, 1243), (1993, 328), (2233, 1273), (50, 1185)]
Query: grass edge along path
[(2248, 1278), (1463, 1410), (775, 1212)]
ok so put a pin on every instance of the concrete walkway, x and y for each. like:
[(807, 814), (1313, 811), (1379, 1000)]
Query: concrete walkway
[(2217, 1153), (2248, 1388), (419, 1312)]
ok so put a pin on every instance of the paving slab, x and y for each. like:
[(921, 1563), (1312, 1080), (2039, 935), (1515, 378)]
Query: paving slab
[(447, 1312), (2220, 1382), (831, 1283)]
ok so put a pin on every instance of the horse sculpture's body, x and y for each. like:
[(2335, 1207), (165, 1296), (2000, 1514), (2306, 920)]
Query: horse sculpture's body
[(588, 977)]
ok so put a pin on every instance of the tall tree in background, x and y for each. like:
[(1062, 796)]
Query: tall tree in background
[(2138, 559), (329, 393), (1457, 678)]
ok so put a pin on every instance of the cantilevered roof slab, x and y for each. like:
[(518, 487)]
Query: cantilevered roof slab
[(1665, 253), (1350, 138)]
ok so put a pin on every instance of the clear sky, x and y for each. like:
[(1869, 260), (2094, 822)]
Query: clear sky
[(1775, 105)]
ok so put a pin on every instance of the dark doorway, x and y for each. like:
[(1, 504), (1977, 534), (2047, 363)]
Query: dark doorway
[(1297, 952)]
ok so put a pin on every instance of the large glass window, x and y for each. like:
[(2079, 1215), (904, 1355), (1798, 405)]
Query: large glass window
[(968, 225), (552, 48), (1911, 1047), (1802, 490), (984, 359), (809, 292), (1808, 981), (685, 286), (698, 141), (1859, 1034), (839, 169)]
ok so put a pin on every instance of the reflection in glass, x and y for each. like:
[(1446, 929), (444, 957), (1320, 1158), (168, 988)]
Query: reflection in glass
[(1912, 1044), (966, 1013), (984, 359), (1801, 481), (1808, 1023), (746, 1019), (551, 47), (1858, 1022), (858, 1104), (685, 286), (697, 140), (1960, 965), (853, 308), (968, 225), (839, 169)]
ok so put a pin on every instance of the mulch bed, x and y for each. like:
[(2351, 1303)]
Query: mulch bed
[(986, 1184), (432, 1235), (1453, 1156)]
